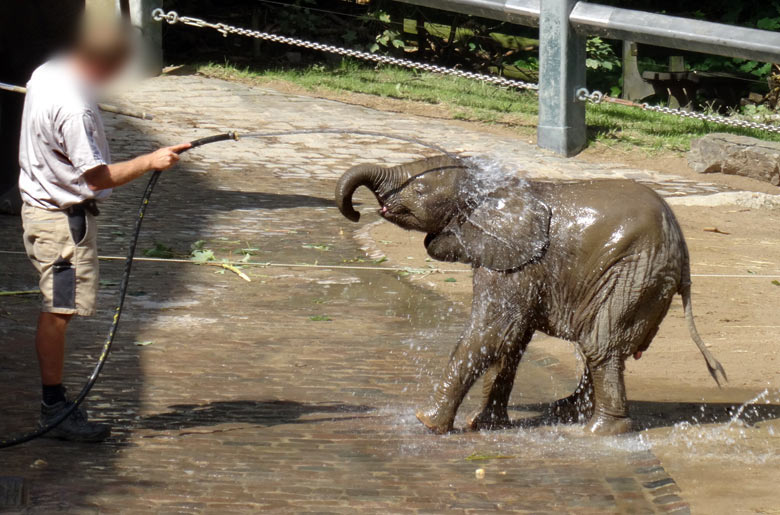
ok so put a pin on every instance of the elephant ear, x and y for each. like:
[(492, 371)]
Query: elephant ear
[(446, 246), (506, 231)]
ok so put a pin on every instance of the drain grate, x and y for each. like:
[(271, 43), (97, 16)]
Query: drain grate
[(13, 492)]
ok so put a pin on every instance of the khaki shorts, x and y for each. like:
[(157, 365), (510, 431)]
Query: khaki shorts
[(63, 249)]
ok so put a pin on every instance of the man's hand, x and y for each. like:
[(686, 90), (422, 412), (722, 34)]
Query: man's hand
[(117, 174), (166, 157)]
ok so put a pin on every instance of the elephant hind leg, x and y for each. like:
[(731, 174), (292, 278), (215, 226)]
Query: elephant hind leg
[(498, 382), (610, 416)]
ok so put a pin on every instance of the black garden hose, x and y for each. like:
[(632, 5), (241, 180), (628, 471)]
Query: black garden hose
[(26, 437)]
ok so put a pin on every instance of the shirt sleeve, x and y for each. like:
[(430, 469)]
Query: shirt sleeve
[(78, 135)]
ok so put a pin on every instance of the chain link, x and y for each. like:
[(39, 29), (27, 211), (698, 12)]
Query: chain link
[(582, 94), (733, 122), (172, 18), (597, 97), (594, 97)]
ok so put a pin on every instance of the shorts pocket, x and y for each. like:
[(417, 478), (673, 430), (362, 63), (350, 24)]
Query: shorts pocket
[(63, 284), (77, 223)]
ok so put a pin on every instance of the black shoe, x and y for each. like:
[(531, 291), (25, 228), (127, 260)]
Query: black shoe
[(75, 428)]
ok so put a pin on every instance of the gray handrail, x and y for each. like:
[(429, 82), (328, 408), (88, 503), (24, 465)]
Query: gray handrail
[(627, 24), (674, 32), (563, 27)]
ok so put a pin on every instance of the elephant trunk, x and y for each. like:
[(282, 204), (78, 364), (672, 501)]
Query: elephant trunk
[(381, 181)]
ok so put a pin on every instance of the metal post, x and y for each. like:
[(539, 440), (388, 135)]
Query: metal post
[(562, 71), (151, 54)]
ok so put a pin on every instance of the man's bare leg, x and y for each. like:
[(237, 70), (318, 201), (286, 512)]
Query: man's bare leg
[(50, 346)]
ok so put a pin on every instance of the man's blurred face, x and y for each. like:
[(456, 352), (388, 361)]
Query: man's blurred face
[(102, 52), (101, 71)]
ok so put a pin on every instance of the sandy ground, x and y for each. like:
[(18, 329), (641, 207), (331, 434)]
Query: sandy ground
[(721, 466), (737, 317)]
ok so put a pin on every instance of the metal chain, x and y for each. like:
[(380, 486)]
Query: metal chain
[(597, 97), (594, 97), (582, 94), (733, 122), (173, 17)]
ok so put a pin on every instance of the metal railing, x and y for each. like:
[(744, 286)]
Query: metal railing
[(563, 25)]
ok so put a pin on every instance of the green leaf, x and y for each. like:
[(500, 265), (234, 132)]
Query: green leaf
[(450, 280), (748, 66), (198, 245), (202, 256), (159, 251), (776, 282), (380, 260), (768, 23), (320, 318), (143, 344)]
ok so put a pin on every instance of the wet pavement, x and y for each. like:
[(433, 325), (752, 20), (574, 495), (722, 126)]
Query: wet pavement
[(293, 392)]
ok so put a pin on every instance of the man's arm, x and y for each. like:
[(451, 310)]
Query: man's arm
[(113, 175)]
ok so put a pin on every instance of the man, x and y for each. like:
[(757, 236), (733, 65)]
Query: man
[(65, 171)]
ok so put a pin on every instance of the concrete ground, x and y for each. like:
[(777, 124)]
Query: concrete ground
[(293, 392)]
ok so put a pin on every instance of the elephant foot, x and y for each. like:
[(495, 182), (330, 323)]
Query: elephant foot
[(436, 423), (489, 420), (575, 408), (603, 424)]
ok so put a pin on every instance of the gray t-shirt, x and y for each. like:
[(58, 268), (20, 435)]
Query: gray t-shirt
[(62, 138)]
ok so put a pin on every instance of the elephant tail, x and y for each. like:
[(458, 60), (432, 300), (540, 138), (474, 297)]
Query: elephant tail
[(713, 365)]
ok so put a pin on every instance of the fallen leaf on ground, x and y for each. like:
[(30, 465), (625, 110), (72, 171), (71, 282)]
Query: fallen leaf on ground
[(236, 271), (159, 251), (715, 230)]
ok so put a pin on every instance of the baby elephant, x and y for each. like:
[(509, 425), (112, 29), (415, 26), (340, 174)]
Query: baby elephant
[(593, 262)]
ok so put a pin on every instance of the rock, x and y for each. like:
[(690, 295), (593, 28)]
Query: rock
[(736, 155)]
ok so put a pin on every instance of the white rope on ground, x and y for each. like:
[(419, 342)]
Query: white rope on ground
[(412, 270)]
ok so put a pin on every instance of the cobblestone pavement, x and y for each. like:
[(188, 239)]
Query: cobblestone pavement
[(293, 392)]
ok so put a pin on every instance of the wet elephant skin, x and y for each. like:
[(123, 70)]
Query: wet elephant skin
[(593, 262)]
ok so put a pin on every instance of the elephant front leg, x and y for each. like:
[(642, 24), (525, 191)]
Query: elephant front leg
[(610, 415), (467, 363), (497, 387), (496, 390)]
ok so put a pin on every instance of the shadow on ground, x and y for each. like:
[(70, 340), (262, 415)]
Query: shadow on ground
[(261, 413), (652, 414)]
